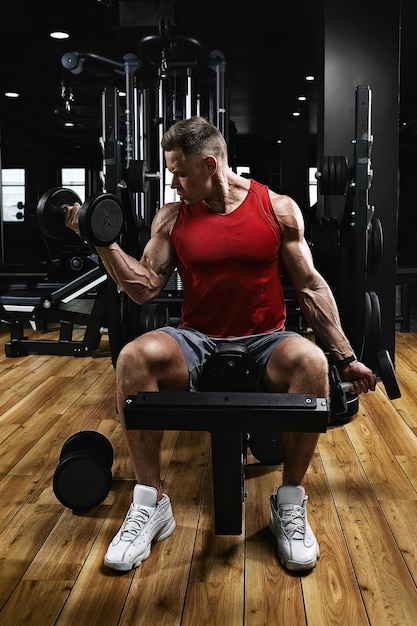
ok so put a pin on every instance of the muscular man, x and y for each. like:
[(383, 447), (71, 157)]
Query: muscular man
[(229, 238)]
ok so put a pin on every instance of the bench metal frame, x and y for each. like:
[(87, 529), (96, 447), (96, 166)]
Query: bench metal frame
[(228, 416)]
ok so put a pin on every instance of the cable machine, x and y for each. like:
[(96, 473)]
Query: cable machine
[(171, 79)]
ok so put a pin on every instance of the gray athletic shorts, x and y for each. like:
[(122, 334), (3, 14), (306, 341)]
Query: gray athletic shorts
[(197, 347)]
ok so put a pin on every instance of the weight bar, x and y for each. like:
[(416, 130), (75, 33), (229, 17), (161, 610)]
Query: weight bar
[(386, 375), (83, 477), (100, 219)]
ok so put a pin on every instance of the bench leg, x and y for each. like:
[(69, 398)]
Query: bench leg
[(228, 482)]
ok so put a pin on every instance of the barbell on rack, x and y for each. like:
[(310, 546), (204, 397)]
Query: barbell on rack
[(100, 219)]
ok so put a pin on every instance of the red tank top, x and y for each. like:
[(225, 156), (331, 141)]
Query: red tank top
[(230, 267)]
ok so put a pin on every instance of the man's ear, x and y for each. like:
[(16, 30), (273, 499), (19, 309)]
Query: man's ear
[(211, 164)]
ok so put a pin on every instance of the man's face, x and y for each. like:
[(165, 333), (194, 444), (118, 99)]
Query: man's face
[(190, 178)]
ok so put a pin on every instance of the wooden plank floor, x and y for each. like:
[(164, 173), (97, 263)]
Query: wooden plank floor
[(362, 505)]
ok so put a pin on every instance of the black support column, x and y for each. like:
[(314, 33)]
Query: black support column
[(361, 47)]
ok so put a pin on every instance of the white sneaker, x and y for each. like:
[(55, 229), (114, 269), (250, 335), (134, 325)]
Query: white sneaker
[(297, 546), (146, 521)]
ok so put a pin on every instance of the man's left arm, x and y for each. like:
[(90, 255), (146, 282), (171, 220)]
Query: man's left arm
[(316, 299)]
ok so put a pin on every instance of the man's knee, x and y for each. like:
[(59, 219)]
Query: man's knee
[(299, 365), (314, 359), (314, 367), (152, 361), (143, 352)]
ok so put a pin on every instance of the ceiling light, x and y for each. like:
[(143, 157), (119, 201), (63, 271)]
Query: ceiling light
[(301, 98), (309, 77), (59, 34), (11, 94)]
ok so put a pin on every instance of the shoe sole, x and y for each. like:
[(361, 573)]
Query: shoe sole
[(121, 566), (294, 566)]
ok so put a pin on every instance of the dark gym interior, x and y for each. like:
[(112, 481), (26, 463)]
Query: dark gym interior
[(342, 143), (249, 74)]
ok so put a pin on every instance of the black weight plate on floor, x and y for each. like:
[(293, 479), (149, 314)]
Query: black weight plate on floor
[(81, 483), (89, 441), (387, 374)]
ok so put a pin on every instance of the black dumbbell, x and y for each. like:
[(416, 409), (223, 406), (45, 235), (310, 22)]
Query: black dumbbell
[(100, 219), (83, 477), (385, 374)]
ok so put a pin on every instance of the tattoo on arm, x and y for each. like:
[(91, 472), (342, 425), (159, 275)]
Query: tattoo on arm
[(162, 269)]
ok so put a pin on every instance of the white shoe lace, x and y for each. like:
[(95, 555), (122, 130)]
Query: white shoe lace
[(292, 521), (134, 522)]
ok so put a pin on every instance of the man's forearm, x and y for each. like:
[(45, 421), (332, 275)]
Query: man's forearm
[(320, 310), (140, 282)]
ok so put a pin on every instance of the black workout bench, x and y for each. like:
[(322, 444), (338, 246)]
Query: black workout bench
[(228, 416), (42, 301)]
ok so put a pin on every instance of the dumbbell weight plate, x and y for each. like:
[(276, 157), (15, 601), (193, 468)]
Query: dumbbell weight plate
[(80, 482), (50, 211), (89, 441), (101, 219), (338, 403), (82, 479), (343, 404), (387, 374)]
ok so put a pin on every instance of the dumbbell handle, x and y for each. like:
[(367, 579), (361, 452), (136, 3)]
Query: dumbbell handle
[(387, 376), (346, 385)]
